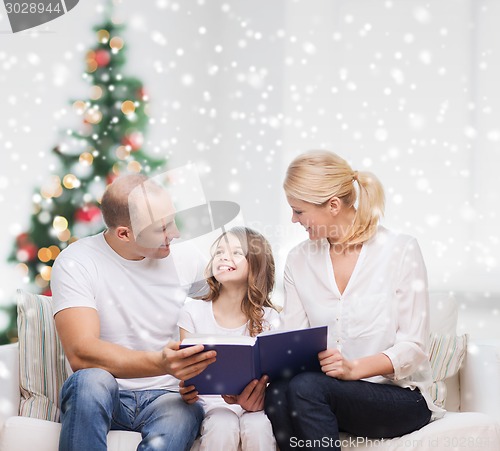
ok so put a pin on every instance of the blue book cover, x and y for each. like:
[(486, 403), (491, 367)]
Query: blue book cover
[(279, 354)]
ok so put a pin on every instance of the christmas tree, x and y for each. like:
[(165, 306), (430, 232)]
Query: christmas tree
[(109, 142)]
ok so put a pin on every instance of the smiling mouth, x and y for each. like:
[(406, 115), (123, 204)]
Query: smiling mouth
[(226, 268)]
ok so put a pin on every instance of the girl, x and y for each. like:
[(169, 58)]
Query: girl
[(369, 285), (240, 276)]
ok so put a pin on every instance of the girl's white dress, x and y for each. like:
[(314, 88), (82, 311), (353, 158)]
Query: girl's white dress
[(226, 424)]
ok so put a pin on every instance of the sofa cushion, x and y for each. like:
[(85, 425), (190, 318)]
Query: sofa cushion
[(446, 354), (455, 432), (43, 367), (22, 434)]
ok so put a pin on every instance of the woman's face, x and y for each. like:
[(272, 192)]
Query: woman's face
[(229, 264), (316, 219)]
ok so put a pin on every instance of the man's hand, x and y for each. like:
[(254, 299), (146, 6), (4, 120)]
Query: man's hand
[(334, 364), (252, 397), (187, 362), (188, 394)]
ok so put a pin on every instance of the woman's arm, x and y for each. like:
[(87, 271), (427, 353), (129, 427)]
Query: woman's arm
[(334, 364), (408, 351)]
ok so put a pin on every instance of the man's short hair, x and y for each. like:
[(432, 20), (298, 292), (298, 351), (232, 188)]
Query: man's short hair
[(115, 201)]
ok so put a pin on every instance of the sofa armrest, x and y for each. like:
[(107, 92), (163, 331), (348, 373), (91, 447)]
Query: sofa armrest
[(9, 382), (480, 378)]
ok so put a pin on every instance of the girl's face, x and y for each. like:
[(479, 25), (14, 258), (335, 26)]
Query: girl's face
[(229, 264)]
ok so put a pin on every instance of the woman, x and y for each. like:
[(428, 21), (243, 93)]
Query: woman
[(369, 285)]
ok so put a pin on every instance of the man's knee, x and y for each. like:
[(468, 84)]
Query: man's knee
[(90, 383), (171, 407)]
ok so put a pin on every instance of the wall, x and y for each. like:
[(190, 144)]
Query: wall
[(407, 89)]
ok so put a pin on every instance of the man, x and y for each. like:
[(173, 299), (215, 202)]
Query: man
[(116, 298)]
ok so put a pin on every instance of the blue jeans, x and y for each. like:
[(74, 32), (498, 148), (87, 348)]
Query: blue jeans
[(314, 406), (92, 405)]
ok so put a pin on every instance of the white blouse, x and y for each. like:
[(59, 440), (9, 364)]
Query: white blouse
[(383, 309)]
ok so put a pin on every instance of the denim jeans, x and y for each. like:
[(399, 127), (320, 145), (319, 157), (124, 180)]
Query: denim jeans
[(314, 406), (92, 405)]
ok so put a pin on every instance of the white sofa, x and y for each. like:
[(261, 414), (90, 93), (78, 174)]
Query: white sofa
[(474, 392)]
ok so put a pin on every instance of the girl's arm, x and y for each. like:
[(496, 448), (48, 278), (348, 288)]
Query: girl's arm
[(183, 333)]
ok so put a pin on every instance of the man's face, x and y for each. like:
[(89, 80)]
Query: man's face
[(153, 223), (154, 240)]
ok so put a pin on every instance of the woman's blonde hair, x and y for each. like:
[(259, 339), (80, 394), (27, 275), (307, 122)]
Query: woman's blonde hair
[(261, 270), (317, 176)]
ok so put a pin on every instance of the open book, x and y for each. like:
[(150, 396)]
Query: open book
[(240, 359)]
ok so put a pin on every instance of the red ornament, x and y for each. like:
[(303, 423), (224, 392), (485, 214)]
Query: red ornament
[(142, 93), (22, 239), (134, 140), (102, 58), (27, 252), (110, 178), (88, 213)]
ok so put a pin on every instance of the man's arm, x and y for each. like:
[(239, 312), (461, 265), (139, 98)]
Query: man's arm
[(78, 328)]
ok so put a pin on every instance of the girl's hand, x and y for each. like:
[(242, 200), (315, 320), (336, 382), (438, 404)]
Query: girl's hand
[(188, 394), (252, 397), (333, 364)]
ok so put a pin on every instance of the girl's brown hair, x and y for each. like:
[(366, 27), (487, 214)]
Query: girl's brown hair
[(261, 269)]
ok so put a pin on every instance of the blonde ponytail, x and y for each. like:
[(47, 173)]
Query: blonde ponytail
[(317, 176), (370, 208)]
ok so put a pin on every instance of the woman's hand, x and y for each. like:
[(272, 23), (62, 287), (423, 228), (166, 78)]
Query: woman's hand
[(188, 394), (334, 364), (252, 397)]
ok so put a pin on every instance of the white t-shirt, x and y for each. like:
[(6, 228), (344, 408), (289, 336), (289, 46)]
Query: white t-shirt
[(197, 317), (383, 309), (138, 301)]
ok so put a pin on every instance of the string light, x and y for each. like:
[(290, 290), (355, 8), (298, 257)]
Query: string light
[(70, 181), (64, 236), (54, 251), (91, 62), (128, 107), (86, 159), (122, 152), (116, 43), (46, 273), (79, 106), (44, 255), (23, 268), (116, 169), (134, 166), (103, 36), (40, 281), (60, 224), (95, 92), (52, 188), (93, 116)]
